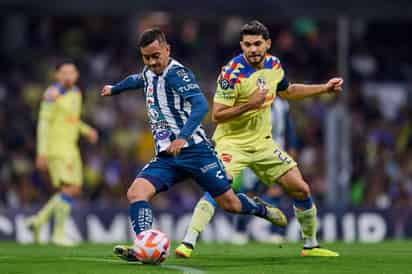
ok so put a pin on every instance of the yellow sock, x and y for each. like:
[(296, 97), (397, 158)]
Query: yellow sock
[(202, 215), (61, 214), (47, 210), (308, 225)]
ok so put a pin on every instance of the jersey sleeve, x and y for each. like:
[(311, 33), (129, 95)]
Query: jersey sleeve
[(183, 81), (47, 109), (226, 91), (134, 81), (284, 83)]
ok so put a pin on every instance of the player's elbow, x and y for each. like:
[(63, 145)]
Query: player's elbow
[(289, 93), (199, 105), (216, 117)]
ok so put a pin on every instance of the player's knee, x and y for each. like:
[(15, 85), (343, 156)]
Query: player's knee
[(140, 190), (71, 190), (303, 191), (133, 194)]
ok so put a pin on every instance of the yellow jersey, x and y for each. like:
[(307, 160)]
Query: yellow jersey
[(237, 81), (59, 123)]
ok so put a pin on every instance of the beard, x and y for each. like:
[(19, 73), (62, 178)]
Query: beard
[(255, 59)]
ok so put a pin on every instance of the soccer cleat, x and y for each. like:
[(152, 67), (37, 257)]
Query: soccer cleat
[(183, 251), (125, 253), (34, 227), (318, 252), (274, 214)]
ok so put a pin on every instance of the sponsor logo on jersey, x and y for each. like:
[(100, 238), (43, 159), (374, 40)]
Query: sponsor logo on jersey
[(261, 82), (183, 74), (188, 87), (162, 135)]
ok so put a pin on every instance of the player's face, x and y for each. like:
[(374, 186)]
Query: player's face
[(67, 75), (254, 48), (156, 56)]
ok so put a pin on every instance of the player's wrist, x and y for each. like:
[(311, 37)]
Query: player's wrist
[(325, 88), (250, 106)]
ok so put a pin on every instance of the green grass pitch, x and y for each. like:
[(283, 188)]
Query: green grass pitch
[(387, 257)]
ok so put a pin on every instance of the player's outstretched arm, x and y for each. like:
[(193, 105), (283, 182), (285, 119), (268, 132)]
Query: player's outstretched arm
[(134, 81), (300, 91)]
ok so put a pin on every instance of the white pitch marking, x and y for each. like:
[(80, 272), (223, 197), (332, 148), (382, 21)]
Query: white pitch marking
[(185, 269)]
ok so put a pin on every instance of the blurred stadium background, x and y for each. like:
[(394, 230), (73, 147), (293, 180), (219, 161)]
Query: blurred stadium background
[(355, 150)]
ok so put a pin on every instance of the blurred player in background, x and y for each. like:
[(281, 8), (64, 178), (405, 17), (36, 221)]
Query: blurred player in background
[(58, 130), (175, 107), (246, 88)]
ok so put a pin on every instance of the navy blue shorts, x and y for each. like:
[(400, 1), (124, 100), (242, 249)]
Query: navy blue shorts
[(198, 161)]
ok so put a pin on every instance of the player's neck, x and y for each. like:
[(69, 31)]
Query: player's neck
[(66, 87)]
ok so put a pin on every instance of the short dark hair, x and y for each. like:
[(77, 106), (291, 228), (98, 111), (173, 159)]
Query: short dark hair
[(254, 28), (151, 35), (63, 62)]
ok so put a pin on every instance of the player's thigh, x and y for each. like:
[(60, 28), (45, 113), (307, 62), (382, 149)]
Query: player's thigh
[(234, 159), (160, 172), (294, 184), (202, 164), (271, 163)]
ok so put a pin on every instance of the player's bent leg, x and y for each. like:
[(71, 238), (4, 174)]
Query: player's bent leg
[(241, 204), (305, 212), (203, 213)]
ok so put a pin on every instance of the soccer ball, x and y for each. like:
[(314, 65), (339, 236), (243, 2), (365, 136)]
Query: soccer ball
[(151, 246)]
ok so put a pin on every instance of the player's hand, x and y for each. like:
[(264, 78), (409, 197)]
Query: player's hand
[(106, 91), (176, 146), (41, 162), (334, 85), (92, 136), (258, 97)]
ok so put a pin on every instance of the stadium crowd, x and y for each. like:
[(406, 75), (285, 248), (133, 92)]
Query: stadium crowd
[(105, 49)]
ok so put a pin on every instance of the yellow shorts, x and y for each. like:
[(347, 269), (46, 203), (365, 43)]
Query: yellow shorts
[(268, 162), (65, 169)]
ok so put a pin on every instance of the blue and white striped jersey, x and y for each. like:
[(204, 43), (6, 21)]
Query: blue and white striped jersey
[(166, 102)]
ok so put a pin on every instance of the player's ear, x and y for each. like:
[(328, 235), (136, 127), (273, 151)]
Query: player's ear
[(76, 74), (268, 44), (241, 44), (168, 49), (57, 75)]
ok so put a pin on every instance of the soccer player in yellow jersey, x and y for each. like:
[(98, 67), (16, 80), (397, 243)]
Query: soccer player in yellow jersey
[(59, 126), (246, 88)]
